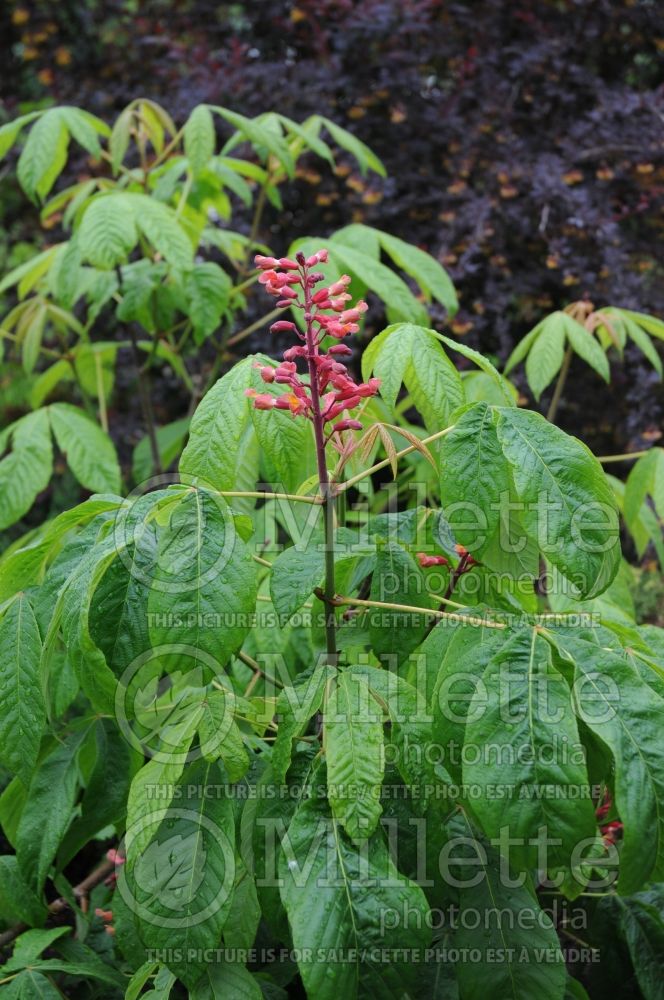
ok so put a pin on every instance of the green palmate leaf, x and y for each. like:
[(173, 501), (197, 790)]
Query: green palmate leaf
[(296, 705), (334, 894), (569, 509), (259, 136), (245, 913), (31, 985), (433, 383), (410, 733), (31, 270), (26, 470), (107, 231), (199, 138), (474, 477), (519, 953), (213, 452), (425, 269), (86, 129), (47, 381), (220, 736), (546, 355), (97, 680), (503, 386), (30, 945), (23, 712), (584, 344), (90, 452), (25, 565), (17, 900), (208, 289), (308, 132), (643, 930), (623, 711), (642, 340), (160, 226), (645, 479), (105, 800), (366, 159), (203, 586), (409, 354), (227, 980), (380, 279), (453, 658), (295, 573), (522, 348), (153, 789), (170, 439), (181, 882), (397, 579), (653, 325), (44, 154), (10, 132), (545, 795), (354, 754), (52, 794)]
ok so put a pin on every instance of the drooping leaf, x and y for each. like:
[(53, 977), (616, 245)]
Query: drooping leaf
[(513, 961), (44, 154), (354, 755), (52, 794), (207, 288), (334, 894), (199, 138), (397, 579), (26, 470), (89, 450), (623, 711), (23, 711), (544, 793), (569, 509), (181, 881)]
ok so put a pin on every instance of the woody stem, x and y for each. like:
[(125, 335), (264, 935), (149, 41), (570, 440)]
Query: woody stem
[(323, 476)]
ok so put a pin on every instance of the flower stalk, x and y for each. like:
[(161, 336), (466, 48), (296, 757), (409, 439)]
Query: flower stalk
[(328, 393)]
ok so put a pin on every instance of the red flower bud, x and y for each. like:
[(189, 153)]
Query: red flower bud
[(289, 264), (265, 262), (426, 561), (339, 349), (262, 400), (282, 326), (348, 425), (340, 286), (294, 352)]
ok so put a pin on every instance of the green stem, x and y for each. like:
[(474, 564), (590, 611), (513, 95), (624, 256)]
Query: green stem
[(560, 385), (629, 456)]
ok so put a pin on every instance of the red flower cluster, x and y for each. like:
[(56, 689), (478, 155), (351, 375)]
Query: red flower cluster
[(330, 391)]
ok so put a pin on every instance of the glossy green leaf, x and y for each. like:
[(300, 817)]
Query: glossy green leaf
[(334, 894), (26, 470), (569, 509), (199, 138), (619, 708), (354, 755), (23, 711), (89, 450), (523, 700), (52, 794)]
